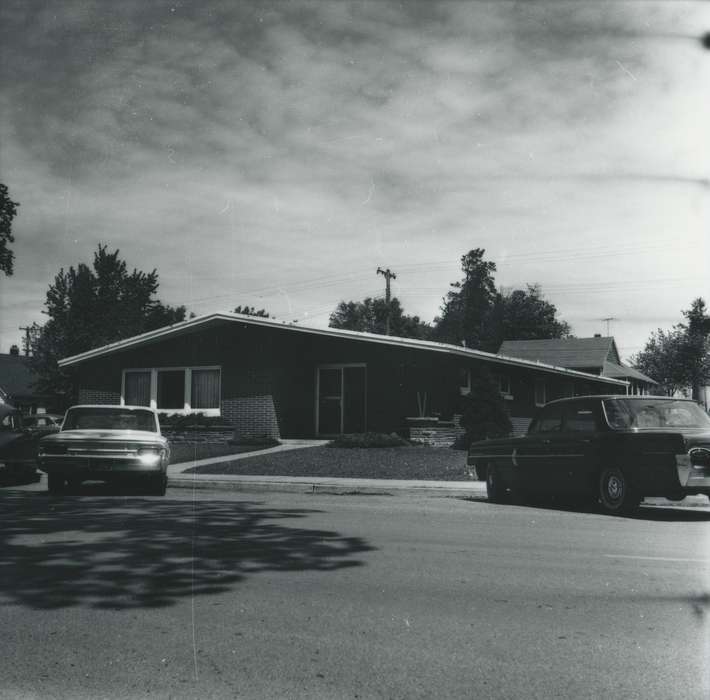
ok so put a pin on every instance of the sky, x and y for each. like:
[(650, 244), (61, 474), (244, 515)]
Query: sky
[(277, 153)]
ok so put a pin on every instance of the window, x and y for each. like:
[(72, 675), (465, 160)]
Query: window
[(171, 389), (464, 381), (549, 421), (580, 419), (174, 389), (504, 386), (137, 389), (540, 392)]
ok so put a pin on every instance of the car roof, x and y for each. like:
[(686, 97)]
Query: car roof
[(107, 406)]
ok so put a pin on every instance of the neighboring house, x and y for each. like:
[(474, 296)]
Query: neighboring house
[(597, 355), (16, 384), (273, 379)]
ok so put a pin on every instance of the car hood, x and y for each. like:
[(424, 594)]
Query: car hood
[(104, 436)]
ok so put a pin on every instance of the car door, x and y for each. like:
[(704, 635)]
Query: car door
[(577, 445), (537, 466)]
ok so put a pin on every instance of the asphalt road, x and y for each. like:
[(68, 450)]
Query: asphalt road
[(222, 594)]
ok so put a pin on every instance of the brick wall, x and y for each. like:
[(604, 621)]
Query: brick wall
[(99, 396), (252, 416)]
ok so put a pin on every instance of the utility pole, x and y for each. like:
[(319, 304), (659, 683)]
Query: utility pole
[(29, 330), (388, 275)]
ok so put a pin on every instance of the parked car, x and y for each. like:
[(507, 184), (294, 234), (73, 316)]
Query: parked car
[(107, 443), (18, 446), (617, 449), (41, 424)]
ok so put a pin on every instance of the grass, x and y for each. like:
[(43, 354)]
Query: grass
[(188, 451), (439, 464)]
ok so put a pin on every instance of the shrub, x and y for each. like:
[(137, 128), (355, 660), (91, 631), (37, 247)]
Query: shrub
[(369, 440), (177, 421), (483, 410)]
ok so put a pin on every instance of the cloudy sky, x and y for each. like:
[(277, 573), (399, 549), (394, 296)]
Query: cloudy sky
[(277, 153)]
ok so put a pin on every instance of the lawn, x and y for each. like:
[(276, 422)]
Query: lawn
[(187, 451), (441, 464)]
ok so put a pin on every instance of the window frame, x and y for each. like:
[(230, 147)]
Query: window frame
[(187, 378), (540, 383), (505, 386)]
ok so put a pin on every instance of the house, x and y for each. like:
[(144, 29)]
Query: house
[(597, 355), (269, 378), (17, 384)]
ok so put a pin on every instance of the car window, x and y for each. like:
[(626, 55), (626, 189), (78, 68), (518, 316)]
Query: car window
[(580, 419), (549, 420), (10, 422), (109, 419)]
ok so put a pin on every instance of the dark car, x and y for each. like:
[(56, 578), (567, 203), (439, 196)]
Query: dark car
[(616, 449), (106, 443), (41, 424), (18, 446)]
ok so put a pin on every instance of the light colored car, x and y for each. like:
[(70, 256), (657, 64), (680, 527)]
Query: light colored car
[(107, 443)]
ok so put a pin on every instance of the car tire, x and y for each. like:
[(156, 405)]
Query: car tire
[(55, 483), (495, 488), (616, 493)]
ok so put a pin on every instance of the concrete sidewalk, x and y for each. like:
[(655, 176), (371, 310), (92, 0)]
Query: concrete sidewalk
[(312, 484), (333, 485)]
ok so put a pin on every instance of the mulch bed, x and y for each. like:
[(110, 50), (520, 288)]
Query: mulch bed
[(440, 464)]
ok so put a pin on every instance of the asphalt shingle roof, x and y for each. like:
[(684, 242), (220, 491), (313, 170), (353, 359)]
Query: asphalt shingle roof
[(565, 352)]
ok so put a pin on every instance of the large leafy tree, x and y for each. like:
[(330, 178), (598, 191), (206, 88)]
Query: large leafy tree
[(522, 314), (90, 306), (251, 311), (467, 305), (476, 314), (370, 315), (8, 211), (679, 359)]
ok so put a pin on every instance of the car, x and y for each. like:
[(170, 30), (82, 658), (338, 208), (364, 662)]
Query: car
[(42, 424), (612, 449), (18, 446), (106, 443)]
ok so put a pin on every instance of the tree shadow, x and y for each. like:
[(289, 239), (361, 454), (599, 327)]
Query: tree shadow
[(132, 553), (653, 513)]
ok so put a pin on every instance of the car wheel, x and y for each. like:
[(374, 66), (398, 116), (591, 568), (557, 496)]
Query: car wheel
[(616, 493), (494, 485), (55, 483)]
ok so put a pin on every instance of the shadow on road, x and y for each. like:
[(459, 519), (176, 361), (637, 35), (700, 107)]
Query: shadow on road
[(122, 553), (666, 513)]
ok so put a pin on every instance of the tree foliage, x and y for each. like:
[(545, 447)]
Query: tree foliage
[(476, 314), (251, 311), (483, 410), (8, 211), (680, 358), (90, 306), (370, 316)]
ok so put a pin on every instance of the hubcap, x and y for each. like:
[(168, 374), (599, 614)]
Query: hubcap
[(615, 487)]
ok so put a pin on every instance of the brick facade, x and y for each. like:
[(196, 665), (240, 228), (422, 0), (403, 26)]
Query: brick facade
[(99, 396)]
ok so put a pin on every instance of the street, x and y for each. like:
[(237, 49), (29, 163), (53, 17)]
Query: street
[(211, 594)]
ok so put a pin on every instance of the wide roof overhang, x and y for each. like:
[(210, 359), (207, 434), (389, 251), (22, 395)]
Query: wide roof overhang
[(215, 319)]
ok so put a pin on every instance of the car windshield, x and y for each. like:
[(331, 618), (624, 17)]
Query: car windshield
[(109, 419), (640, 414)]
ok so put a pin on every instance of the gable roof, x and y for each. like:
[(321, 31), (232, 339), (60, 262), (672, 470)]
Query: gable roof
[(597, 353), (622, 371), (577, 353), (16, 378), (214, 319)]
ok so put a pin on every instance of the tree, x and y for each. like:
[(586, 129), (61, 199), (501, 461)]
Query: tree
[(92, 306), (468, 303), (679, 358), (370, 316), (251, 311), (483, 410), (8, 211), (522, 315)]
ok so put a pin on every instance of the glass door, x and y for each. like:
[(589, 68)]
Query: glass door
[(342, 399)]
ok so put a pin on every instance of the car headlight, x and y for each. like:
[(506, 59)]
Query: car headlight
[(149, 457)]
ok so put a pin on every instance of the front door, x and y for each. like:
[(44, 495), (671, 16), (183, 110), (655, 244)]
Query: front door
[(342, 399)]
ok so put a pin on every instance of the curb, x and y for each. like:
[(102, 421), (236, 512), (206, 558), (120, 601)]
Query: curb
[(326, 487)]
